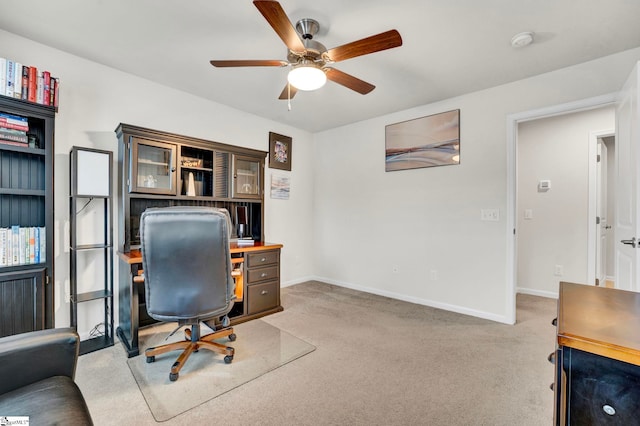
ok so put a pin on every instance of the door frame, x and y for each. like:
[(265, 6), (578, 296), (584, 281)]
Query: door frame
[(512, 197), (591, 210)]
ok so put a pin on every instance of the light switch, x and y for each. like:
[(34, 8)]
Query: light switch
[(492, 215), (528, 214)]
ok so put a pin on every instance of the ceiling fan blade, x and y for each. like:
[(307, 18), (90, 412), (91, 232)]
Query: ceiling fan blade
[(249, 63), (376, 43), (277, 18), (349, 81), (288, 92)]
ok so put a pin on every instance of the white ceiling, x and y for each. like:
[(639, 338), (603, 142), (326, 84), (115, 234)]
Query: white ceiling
[(450, 47)]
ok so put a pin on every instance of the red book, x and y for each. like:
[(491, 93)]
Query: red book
[(56, 94), (46, 93), (33, 84), (14, 126), (8, 142)]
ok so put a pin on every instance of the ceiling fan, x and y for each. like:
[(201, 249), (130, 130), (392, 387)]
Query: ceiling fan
[(309, 60)]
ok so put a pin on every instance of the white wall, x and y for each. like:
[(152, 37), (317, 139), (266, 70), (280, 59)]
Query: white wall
[(369, 222), (347, 221), (94, 99), (557, 149)]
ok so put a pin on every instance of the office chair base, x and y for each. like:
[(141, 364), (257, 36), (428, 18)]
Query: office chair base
[(193, 343)]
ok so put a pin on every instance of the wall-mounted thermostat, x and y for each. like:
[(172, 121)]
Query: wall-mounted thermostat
[(544, 185)]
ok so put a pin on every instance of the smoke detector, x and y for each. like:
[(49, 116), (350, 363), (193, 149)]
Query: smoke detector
[(522, 39)]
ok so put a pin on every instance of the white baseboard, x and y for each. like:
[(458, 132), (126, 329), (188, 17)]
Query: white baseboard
[(418, 301), (534, 292)]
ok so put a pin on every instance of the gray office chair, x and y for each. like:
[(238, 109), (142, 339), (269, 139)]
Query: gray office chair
[(187, 277)]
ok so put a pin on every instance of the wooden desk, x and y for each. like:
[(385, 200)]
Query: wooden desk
[(260, 290), (598, 356)]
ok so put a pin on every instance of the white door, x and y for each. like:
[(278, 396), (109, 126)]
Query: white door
[(601, 214), (627, 256)]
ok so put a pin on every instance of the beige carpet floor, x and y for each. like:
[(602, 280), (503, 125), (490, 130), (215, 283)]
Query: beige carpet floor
[(378, 361)]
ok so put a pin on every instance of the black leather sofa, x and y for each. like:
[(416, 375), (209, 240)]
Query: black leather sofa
[(36, 378)]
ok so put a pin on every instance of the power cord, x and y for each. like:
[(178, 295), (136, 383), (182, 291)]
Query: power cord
[(97, 331)]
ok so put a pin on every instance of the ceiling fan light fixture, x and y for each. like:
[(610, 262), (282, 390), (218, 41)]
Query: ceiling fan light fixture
[(307, 76)]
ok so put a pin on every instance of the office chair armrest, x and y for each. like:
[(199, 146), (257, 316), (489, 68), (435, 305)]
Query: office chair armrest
[(30, 357)]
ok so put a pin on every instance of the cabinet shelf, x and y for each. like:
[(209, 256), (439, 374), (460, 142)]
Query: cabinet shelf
[(152, 163), (82, 247), (29, 192), (95, 343), (26, 266), (202, 169), (92, 295), (27, 150)]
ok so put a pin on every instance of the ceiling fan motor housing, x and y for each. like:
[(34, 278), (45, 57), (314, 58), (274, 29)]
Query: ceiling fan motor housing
[(307, 28)]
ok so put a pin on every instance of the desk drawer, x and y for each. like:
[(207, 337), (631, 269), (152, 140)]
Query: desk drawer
[(262, 297), (262, 274), (262, 258)]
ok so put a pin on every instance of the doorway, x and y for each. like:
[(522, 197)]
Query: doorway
[(603, 178), (545, 189)]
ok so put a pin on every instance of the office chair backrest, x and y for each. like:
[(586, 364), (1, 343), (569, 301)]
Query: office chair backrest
[(186, 262)]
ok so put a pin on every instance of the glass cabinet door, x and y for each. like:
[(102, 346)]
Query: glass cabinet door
[(246, 177), (153, 167)]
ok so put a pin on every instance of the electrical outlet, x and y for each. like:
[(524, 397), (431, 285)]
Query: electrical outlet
[(433, 275), (558, 271)]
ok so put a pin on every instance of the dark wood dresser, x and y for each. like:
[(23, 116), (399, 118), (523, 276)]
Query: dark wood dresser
[(597, 380)]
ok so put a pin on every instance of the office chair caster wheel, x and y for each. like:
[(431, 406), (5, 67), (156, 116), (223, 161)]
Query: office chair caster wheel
[(232, 337), (173, 377), (151, 359), (228, 359)]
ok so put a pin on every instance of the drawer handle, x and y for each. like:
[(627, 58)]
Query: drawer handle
[(264, 259), (264, 292), (264, 274)]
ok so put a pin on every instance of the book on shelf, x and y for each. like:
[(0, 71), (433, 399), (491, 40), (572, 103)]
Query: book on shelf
[(32, 84), (36, 244), (11, 79), (42, 236), (39, 88), (46, 88), (53, 91), (16, 122), (13, 143), (3, 76), (17, 84), (22, 245), (3, 247), (13, 135), (25, 82), (15, 244), (245, 241)]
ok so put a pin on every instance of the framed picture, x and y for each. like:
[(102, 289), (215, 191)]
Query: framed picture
[(279, 151), (280, 187), (423, 142)]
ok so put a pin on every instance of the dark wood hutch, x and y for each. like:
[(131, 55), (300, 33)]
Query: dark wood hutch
[(160, 169)]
